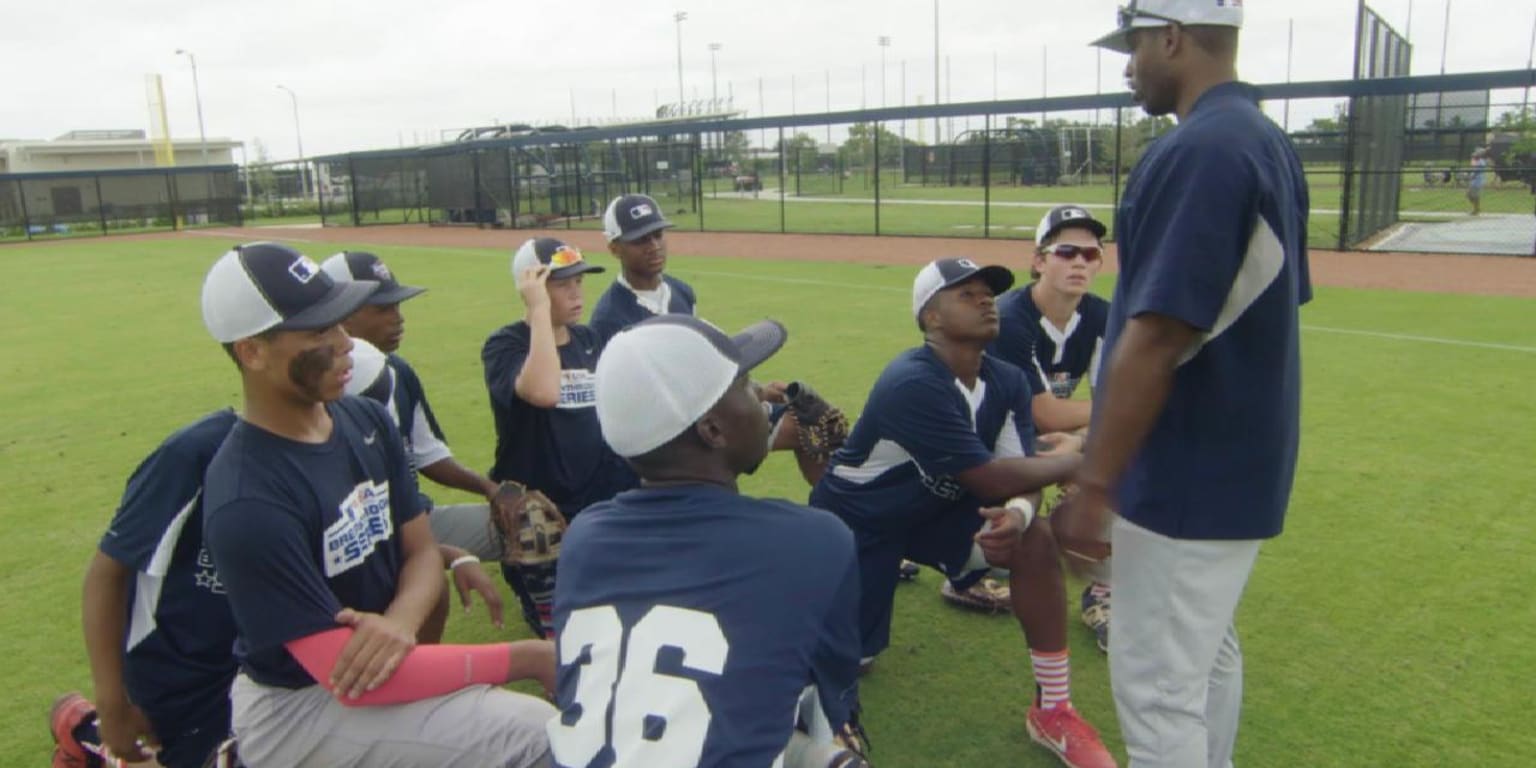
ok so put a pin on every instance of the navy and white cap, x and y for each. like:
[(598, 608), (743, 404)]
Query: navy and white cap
[(348, 266), (563, 260), (659, 376), (1063, 216), (943, 273), (1161, 13), (261, 287), (631, 217)]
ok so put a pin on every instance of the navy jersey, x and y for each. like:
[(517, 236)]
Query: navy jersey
[(921, 427), (299, 530), (1055, 359), (702, 616), (559, 450), (425, 443), (621, 306), (178, 658), (1212, 232)]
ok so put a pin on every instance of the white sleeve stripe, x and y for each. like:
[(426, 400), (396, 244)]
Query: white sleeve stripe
[(1262, 263)]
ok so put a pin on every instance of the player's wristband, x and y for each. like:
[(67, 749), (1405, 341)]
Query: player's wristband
[(462, 561)]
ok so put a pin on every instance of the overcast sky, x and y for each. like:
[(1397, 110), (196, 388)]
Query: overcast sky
[(382, 73)]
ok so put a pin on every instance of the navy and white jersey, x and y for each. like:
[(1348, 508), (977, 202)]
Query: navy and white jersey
[(622, 306), (701, 616), (179, 653), (425, 443), (559, 450), (1059, 358), (299, 530), (920, 428), (1213, 232)]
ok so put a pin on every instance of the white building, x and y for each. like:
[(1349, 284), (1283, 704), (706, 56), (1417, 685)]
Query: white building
[(80, 151)]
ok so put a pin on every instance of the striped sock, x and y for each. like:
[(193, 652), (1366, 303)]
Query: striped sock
[(1053, 674)]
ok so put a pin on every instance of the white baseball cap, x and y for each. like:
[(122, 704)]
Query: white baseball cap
[(943, 273), (260, 287), (658, 377), (371, 376), (1161, 13)]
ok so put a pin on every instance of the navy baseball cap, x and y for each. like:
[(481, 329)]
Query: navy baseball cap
[(261, 287), (944, 273), (631, 217), (348, 266), (564, 260), (659, 376), (1063, 216)]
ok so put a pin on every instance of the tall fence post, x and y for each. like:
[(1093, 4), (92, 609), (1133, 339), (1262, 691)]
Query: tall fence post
[(986, 176), (782, 180), (1347, 183), (357, 217), (1119, 155), (101, 208), (26, 218), (474, 163), (170, 191), (877, 178)]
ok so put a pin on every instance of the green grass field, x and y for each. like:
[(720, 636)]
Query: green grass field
[(1389, 626)]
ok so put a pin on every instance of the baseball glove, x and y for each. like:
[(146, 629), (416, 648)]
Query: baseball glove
[(822, 427), (529, 525)]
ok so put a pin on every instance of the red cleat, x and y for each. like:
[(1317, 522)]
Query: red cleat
[(69, 711), (1063, 731)]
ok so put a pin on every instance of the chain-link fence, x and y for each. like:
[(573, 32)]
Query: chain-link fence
[(74, 204)]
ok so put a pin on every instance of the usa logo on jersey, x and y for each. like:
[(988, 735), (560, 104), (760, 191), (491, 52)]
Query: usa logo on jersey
[(364, 522)]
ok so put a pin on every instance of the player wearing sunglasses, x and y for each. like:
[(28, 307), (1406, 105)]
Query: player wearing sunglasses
[(1053, 328)]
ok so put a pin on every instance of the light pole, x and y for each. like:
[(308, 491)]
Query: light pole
[(937, 137), (197, 93), (680, 17), (299, 135), (885, 43), (714, 77)]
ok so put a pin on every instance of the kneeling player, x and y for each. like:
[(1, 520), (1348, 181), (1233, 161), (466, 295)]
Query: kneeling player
[(945, 439), (691, 618)]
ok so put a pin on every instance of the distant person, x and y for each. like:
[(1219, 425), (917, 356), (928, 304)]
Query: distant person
[(1479, 179)]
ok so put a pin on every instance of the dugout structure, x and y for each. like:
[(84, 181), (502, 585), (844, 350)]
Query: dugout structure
[(64, 204)]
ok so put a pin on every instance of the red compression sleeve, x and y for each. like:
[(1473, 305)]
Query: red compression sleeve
[(427, 671)]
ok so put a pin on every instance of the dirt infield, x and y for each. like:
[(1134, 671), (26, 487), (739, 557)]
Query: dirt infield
[(1481, 275)]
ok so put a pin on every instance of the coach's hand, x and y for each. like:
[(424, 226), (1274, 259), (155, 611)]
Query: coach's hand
[(1001, 534), (376, 649), (531, 285), (126, 732), (1080, 522), (470, 577)]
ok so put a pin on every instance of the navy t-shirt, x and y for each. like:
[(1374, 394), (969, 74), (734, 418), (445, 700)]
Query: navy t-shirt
[(179, 655), (425, 443), (919, 429), (1052, 358), (713, 613), (620, 307), (1213, 231), (559, 450), (299, 530)]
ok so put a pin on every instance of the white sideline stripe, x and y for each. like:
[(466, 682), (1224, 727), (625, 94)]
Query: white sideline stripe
[(1317, 328), (239, 235), (1424, 339)]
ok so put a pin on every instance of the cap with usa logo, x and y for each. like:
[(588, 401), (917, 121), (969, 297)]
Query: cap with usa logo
[(261, 287), (1063, 216), (563, 260), (360, 265), (944, 273), (631, 217), (1161, 13)]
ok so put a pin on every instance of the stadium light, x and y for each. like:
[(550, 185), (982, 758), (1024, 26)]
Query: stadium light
[(197, 94), (298, 133), (680, 17)]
